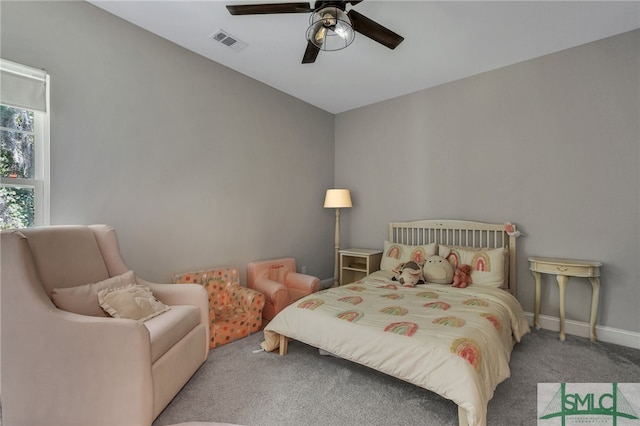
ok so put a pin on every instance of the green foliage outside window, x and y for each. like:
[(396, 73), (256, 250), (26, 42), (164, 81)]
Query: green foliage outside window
[(16, 207), (17, 160)]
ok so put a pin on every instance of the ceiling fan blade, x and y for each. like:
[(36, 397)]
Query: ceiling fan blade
[(310, 54), (354, 2), (373, 30), (264, 9)]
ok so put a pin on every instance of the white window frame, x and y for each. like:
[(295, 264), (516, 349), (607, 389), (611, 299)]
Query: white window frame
[(41, 183)]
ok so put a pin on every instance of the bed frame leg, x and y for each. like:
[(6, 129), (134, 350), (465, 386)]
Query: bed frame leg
[(284, 343), (462, 417)]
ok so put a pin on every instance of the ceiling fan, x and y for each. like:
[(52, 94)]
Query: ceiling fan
[(331, 25)]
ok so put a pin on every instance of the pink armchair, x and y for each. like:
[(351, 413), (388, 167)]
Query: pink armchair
[(234, 311), (75, 365), (278, 281)]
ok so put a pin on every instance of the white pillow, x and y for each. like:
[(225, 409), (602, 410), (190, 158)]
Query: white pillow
[(394, 254), (133, 302), (488, 266)]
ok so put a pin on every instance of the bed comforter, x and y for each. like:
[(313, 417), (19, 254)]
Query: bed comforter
[(455, 342)]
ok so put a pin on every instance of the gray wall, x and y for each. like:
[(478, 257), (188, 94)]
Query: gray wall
[(551, 144), (194, 164)]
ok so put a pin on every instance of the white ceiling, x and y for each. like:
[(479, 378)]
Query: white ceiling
[(444, 41)]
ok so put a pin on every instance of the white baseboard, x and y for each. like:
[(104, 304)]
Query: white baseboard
[(577, 328)]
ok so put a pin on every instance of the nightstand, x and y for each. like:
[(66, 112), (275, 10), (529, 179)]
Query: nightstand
[(357, 263), (563, 269)]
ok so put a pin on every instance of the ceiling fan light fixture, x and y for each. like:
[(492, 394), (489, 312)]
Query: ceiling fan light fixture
[(330, 29)]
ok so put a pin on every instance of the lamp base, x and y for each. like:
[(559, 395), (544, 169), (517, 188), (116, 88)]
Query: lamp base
[(336, 270)]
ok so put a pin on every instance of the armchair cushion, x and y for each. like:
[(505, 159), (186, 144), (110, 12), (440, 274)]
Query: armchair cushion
[(83, 299), (55, 248), (169, 328), (134, 302)]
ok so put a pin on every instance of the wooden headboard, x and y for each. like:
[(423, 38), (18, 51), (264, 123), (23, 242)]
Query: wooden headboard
[(458, 233)]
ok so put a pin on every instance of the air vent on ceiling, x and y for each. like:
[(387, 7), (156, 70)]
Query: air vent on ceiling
[(228, 40)]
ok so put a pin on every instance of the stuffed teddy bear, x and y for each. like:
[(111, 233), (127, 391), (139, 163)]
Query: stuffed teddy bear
[(437, 270), (462, 276), (410, 274)]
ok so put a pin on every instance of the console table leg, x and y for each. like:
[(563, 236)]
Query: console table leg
[(562, 286), (595, 283)]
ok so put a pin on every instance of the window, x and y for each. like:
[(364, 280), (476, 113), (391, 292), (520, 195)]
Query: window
[(24, 146)]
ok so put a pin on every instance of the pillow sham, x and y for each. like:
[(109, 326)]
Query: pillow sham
[(488, 266), (132, 302), (83, 299), (395, 254)]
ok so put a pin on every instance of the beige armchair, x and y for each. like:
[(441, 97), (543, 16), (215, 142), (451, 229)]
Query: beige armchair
[(278, 280), (64, 368)]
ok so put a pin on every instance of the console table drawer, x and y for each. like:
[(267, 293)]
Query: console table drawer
[(570, 268)]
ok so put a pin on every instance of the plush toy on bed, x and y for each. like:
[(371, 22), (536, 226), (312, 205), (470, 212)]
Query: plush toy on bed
[(410, 274), (438, 270), (462, 276)]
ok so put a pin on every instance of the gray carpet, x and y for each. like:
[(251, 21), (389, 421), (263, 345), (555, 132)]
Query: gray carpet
[(238, 386)]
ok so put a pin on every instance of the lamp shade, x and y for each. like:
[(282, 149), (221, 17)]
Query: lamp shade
[(330, 29), (337, 199)]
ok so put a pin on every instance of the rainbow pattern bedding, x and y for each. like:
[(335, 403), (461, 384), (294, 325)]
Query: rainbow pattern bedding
[(455, 342)]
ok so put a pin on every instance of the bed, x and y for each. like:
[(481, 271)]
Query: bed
[(456, 342)]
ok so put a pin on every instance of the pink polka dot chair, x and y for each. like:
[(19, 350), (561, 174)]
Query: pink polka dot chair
[(234, 311)]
